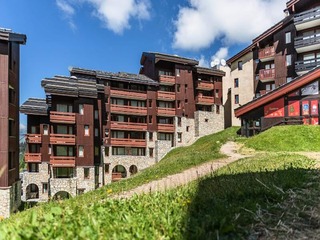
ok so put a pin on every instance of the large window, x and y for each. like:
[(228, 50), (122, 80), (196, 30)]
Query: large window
[(288, 60), (64, 107), (236, 82), (33, 167), (240, 65), (61, 172), (236, 99), (163, 104), (64, 151), (165, 136), (127, 151), (288, 37)]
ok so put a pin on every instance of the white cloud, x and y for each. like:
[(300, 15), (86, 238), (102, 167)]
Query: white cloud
[(115, 14), (23, 128), (222, 53), (233, 21), (203, 62), (68, 11)]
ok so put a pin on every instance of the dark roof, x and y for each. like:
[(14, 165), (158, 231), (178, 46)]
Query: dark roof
[(294, 85), (34, 106), (210, 71), (120, 76), (8, 35), (168, 58), (71, 86)]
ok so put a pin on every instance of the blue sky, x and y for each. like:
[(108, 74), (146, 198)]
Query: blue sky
[(110, 35)]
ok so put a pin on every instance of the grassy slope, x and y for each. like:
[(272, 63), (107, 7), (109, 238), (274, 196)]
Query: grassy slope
[(287, 138)]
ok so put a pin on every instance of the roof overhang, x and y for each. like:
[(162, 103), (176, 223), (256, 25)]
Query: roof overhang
[(168, 58), (210, 71)]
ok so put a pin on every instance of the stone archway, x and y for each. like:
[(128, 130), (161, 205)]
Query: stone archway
[(61, 195), (133, 169), (32, 191), (119, 172)]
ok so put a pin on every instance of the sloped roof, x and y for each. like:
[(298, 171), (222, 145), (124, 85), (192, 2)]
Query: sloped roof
[(34, 106), (8, 35), (168, 58), (294, 85), (210, 71)]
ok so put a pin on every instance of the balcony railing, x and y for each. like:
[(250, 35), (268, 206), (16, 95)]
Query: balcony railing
[(165, 127), (33, 138), (128, 142), (167, 80), (307, 43), (62, 161), (204, 100), (169, 96), (307, 65), (205, 85), (307, 19), (166, 111), (63, 117), (32, 157), (267, 54), (266, 75), (128, 109), (128, 126), (62, 139), (129, 94)]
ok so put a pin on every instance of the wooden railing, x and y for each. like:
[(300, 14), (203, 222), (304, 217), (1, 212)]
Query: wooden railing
[(33, 138), (205, 85), (128, 142), (128, 126), (167, 80), (128, 109), (205, 100), (310, 15), (165, 127), (307, 65), (166, 111), (63, 139), (32, 157), (267, 52), (166, 95), (62, 161), (130, 94), (305, 41), (62, 117), (116, 176), (267, 74)]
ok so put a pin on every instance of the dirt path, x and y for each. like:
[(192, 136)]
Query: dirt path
[(230, 149)]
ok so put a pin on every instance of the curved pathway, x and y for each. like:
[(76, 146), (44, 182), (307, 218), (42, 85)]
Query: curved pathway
[(230, 149)]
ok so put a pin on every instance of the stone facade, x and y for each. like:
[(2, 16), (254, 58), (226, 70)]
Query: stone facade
[(10, 199), (208, 122)]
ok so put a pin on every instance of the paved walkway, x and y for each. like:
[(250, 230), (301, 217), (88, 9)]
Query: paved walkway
[(230, 149)]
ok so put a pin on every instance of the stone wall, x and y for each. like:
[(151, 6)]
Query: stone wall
[(87, 184), (208, 122), (5, 202), (162, 148), (68, 185), (187, 130)]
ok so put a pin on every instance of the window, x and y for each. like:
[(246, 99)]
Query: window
[(96, 151), (289, 79), (96, 132), (106, 151), (217, 93), (240, 65), (11, 128), (11, 160), (178, 72), (288, 37), (63, 172), (96, 114), (44, 187), (236, 99), (178, 87), (185, 88), (106, 167), (150, 119), (151, 152), (86, 130), (80, 191), (288, 60), (118, 151), (33, 167), (33, 130), (186, 100), (81, 151), (179, 138), (150, 103), (49, 150), (178, 104), (81, 109), (12, 95), (236, 82), (150, 136), (187, 128), (86, 173), (45, 130), (64, 107), (179, 121), (217, 109)]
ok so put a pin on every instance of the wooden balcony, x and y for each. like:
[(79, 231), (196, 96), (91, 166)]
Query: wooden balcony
[(167, 80), (62, 161), (116, 176), (62, 117), (32, 157), (267, 75), (166, 96), (128, 142), (267, 54), (141, 111), (306, 65), (128, 94), (165, 127), (207, 86), (166, 111), (204, 100), (33, 138), (307, 43), (128, 126), (307, 19), (62, 139)]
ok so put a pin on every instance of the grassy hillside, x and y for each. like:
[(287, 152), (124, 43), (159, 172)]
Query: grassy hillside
[(287, 138), (247, 198)]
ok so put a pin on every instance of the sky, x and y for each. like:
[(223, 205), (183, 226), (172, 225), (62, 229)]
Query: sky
[(110, 35)]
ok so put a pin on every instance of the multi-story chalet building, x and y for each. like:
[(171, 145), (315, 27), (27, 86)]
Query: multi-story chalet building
[(286, 66), (283, 54), (10, 185), (95, 127)]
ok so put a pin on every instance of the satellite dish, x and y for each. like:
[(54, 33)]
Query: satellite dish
[(215, 62), (223, 62)]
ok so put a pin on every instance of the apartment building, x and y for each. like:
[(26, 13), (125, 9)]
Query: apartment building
[(95, 127), (284, 57), (10, 186)]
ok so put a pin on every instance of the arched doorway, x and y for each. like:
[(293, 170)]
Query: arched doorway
[(61, 195), (133, 169), (32, 192), (119, 172)]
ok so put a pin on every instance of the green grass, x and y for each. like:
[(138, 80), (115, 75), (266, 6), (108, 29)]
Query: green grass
[(286, 138), (233, 203)]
